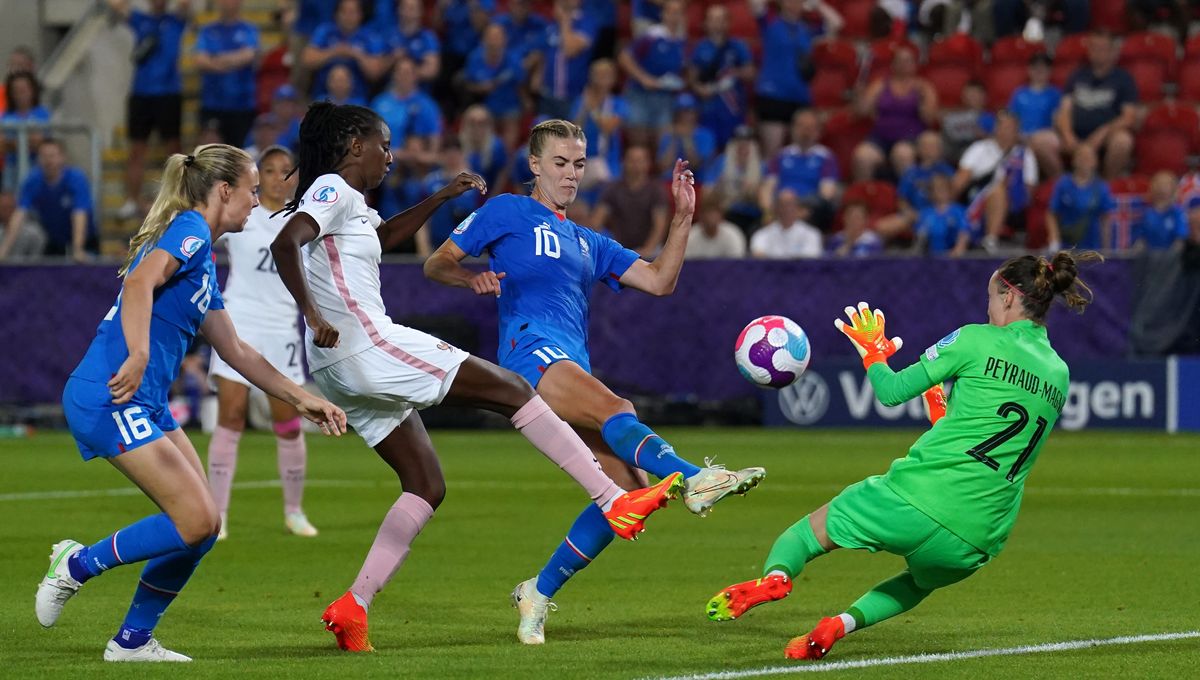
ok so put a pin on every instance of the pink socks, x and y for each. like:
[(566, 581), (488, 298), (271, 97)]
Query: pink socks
[(401, 525), (554, 438), (222, 461), (293, 461)]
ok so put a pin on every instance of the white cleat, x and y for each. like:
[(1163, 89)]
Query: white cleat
[(298, 524), (224, 532), (151, 652), (533, 607), (705, 488), (57, 586)]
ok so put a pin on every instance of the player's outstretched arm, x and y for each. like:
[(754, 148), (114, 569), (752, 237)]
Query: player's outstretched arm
[(445, 267), (867, 331), (219, 331), (300, 230), (137, 301), (399, 228), (660, 276)]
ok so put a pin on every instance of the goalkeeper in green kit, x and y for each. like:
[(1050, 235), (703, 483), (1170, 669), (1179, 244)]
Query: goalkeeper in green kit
[(948, 506)]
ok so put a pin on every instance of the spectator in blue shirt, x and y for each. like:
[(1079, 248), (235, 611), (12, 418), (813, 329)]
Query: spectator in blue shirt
[(856, 239), (225, 52), (783, 79), (601, 114), (1080, 207), (460, 23), (687, 139), (454, 211), (493, 76), (603, 15), (310, 14), (23, 94), (1163, 223), (416, 42), (525, 29), (62, 200), (155, 102), (915, 192), (806, 168), (942, 228), (519, 173), (347, 42), (561, 68), (339, 86), (654, 62), (415, 122), (485, 153), (1034, 104), (719, 69)]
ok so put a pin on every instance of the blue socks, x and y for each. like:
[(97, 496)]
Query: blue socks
[(588, 536), (149, 537), (637, 445), (162, 579)]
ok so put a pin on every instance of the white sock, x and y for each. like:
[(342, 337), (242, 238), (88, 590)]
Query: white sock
[(361, 602), (607, 505), (847, 622), (779, 572)]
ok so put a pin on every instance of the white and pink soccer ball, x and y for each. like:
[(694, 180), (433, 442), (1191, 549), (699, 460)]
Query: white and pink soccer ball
[(772, 351)]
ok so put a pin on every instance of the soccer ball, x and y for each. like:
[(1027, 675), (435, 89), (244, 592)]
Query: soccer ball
[(772, 351)]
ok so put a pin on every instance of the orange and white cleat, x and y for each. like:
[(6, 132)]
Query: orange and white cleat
[(740, 598), (628, 514), (817, 644), (347, 620)]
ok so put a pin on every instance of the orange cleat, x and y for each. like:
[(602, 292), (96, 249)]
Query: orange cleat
[(817, 644), (347, 620), (628, 514), (739, 598)]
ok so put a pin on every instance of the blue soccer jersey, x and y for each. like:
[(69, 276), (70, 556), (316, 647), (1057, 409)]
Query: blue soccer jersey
[(180, 306), (1160, 229), (550, 264), (1079, 209)]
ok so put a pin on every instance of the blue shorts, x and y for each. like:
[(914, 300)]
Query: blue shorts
[(531, 355), (102, 429)]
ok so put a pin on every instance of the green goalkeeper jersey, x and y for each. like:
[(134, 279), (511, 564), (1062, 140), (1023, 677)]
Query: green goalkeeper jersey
[(968, 471)]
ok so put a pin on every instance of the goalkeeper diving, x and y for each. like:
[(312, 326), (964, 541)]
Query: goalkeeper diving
[(949, 505)]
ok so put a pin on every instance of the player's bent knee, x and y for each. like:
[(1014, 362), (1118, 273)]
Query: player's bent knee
[(199, 526), (432, 491)]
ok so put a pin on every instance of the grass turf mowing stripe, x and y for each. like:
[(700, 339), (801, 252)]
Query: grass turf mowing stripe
[(822, 667), (134, 491)]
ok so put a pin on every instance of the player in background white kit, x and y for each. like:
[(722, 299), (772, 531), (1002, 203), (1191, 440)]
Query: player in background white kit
[(381, 372), (265, 316)]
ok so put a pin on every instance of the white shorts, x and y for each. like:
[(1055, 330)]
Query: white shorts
[(283, 349), (380, 386)]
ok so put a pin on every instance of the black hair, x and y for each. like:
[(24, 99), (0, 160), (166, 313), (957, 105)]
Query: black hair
[(325, 134), (1039, 281), (33, 84)]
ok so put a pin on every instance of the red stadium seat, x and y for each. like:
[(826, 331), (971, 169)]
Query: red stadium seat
[(1149, 77), (843, 131), (1191, 49), (1189, 81), (1110, 16), (1001, 80), (960, 50), (880, 197), (1162, 149), (836, 54), (1035, 217), (1014, 49), (948, 80), (742, 22), (857, 17), (1152, 47), (829, 88), (1137, 185)]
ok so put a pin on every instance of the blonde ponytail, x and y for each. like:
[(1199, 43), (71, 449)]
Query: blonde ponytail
[(186, 182)]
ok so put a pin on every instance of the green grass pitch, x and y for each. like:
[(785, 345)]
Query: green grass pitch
[(1107, 544)]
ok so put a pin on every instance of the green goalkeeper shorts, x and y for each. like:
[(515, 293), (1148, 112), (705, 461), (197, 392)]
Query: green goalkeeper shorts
[(870, 516)]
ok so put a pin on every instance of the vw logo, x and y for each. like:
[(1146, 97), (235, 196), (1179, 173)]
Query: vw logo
[(805, 401)]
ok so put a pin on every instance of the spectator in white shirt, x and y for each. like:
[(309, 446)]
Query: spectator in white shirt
[(714, 237), (789, 236)]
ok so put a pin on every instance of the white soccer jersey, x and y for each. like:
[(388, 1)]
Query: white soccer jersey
[(255, 297), (342, 268)]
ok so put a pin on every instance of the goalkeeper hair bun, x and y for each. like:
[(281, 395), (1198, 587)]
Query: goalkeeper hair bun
[(1040, 281)]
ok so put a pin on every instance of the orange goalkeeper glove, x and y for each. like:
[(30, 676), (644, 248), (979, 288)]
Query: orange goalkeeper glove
[(935, 403), (866, 331)]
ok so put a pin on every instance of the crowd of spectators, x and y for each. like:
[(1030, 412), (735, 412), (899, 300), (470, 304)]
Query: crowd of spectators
[(815, 127)]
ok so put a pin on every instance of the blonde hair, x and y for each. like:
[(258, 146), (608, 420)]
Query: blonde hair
[(186, 181), (563, 129)]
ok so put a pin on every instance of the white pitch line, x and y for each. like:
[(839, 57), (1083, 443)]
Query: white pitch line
[(821, 667), (134, 491)]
